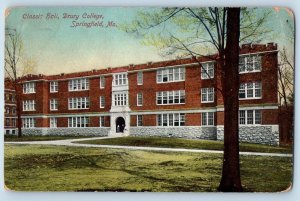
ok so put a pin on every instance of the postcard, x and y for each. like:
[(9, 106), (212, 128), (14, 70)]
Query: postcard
[(149, 99)]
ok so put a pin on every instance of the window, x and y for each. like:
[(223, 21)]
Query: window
[(250, 117), (139, 120), (28, 122), (78, 122), (79, 84), (170, 75), (250, 63), (53, 86), (53, 104), (207, 70), (53, 122), (13, 110), (207, 95), (29, 88), (102, 121), (140, 78), (139, 99), (29, 105), (7, 122), (120, 79), (170, 97), (102, 101), (102, 82), (7, 97), (14, 122), (177, 119), (79, 103), (250, 90), (207, 118), (7, 110), (13, 98), (120, 99)]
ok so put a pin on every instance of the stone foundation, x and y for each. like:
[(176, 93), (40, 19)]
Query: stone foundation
[(262, 134), (191, 132), (93, 131)]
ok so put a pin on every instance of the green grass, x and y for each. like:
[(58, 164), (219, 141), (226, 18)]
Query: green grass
[(185, 143), (61, 168), (14, 138)]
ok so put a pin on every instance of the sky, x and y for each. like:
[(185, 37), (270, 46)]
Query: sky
[(58, 46)]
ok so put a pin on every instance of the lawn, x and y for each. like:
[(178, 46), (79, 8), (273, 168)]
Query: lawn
[(185, 143), (61, 168), (14, 138)]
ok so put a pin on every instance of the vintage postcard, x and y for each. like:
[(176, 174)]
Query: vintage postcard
[(140, 99)]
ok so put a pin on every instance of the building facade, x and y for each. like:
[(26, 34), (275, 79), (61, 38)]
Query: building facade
[(177, 98), (10, 109)]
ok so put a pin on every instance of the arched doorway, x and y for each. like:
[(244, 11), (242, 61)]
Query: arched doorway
[(120, 125)]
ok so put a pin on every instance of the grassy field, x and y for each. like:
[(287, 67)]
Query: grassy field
[(13, 138), (185, 143), (61, 168)]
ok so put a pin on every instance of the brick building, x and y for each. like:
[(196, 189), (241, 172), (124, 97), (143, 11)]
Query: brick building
[(10, 112), (174, 98)]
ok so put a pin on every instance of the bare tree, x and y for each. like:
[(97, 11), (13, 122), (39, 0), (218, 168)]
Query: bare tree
[(16, 65), (206, 30)]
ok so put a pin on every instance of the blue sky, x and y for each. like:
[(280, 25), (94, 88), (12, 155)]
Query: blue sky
[(57, 47)]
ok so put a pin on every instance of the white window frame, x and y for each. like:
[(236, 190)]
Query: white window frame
[(170, 119), (206, 93), (102, 121), (53, 104), (78, 122), (250, 115), (139, 99), (120, 79), (208, 118), (140, 78), (120, 99), (246, 88), (102, 101), (29, 105), (170, 97), (207, 70), (253, 60), (82, 84), (53, 86), (53, 122), (102, 82), (29, 88), (175, 74), (28, 122), (139, 120), (78, 103)]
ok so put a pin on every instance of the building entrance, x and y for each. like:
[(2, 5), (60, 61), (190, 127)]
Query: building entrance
[(120, 125)]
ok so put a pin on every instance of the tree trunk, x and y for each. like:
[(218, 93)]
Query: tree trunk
[(231, 181)]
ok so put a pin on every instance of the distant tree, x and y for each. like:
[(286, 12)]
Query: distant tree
[(16, 65), (198, 32)]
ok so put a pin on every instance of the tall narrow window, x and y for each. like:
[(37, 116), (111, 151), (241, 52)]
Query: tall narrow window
[(139, 99), (53, 104), (140, 78), (139, 120), (102, 101), (102, 121), (102, 82), (53, 122), (53, 86)]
